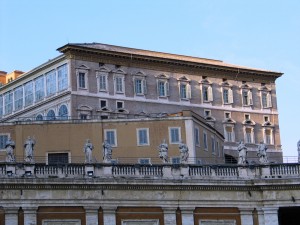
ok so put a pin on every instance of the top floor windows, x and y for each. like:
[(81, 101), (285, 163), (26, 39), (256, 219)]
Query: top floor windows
[(119, 81), (266, 100), (51, 83), (184, 88), (162, 86), (227, 92), (28, 91), (140, 85), (207, 92), (1, 106), (39, 88), (102, 82), (18, 96), (62, 75), (247, 97), (82, 77), (174, 135), (8, 102)]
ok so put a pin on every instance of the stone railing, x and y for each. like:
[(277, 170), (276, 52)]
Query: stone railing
[(272, 171)]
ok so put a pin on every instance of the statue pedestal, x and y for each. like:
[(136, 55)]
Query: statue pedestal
[(11, 169), (29, 169), (89, 170)]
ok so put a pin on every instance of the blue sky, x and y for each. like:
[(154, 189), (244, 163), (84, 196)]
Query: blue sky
[(260, 34)]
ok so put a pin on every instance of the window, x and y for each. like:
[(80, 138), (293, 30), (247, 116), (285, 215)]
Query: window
[(51, 83), (207, 113), (142, 136), (213, 150), (8, 103), (120, 105), (103, 104), (82, 80), (140, 87), (207, 93), (119, 84), (58, 158), (39, 117), (174, 135), (266, 118), (249, 135), (3, 140), (144, 161), (227, 115), (39, 88), (185, 91), (175, 160), (28, 91), (102, 79), (163, 88), (197, 136), (51, 115), (1, 106), (63, 112), (83, 116), (227, 96), (268, 136), (62, 74), (247, 97), (229, 134), (205, 140), (111, 137), (247, 117), (266, 99), (18, 94), (218, 148)]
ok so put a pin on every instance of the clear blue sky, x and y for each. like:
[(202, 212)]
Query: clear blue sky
[(256, 33)]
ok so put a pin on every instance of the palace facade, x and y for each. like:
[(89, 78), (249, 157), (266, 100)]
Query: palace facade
[(94, 80)]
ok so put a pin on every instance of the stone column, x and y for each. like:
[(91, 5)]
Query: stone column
[(169, 216), (261, 218), (187, 215), (29, 215), (91, 215), (246, 216), (109, 216), (271, 216), (11, 216)]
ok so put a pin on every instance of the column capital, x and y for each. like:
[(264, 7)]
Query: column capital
[(91, 208), (186, 209)]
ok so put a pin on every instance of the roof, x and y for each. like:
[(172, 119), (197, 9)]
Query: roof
[(158, 55)]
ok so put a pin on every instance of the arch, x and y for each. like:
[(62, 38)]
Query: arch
[(63, 112), (51, 115), (39, 117)]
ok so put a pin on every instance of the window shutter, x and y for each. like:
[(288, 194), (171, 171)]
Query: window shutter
[(210, 94), (230, 95), (250, 97), (269, 99), (157, 88), (134, 85), (167, 88), (188, 91), (145, 87)]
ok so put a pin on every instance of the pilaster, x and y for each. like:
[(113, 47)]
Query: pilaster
[(29, 215), (11, 216), (91, 215)]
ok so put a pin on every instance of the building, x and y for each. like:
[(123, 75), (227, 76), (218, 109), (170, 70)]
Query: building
[(134, 99), (95, 80)]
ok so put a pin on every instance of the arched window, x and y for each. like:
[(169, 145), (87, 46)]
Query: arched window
[(39, 117), (63, 112), (51, 115)]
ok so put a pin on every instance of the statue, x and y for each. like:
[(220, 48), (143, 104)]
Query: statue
[(242, 149), (10, 146), (107, 152), (87, 149), (163, 151), (184, 152), (29, 147), (262, 152), (298, 146)]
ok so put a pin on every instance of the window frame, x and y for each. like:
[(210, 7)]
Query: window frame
[(39, 88), (197, 136), (62, 78), (170, 135), (102, 81), (2, 148), (51, 82), (139, 143), (114, 131), (205, 143), (18, 99)]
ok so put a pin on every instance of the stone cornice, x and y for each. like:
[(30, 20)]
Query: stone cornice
[(126, 59)]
